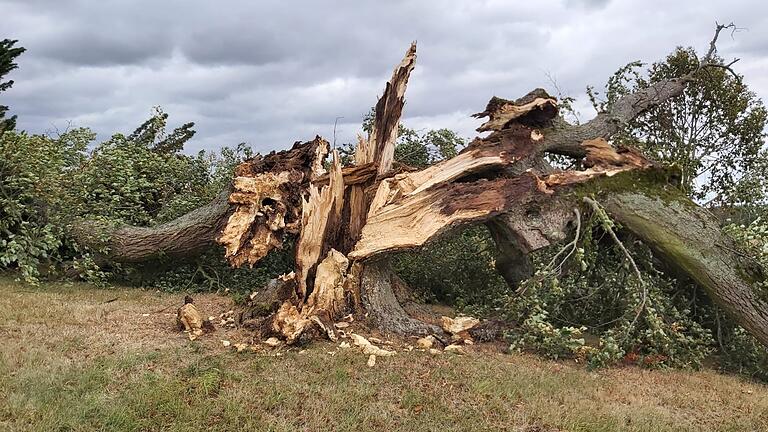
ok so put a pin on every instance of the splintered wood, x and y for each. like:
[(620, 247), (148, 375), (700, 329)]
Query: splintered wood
[(267, 201), (328, 292), (414, 220), (602, 160), (349, 218), (381, 144), (320, 214), (379, 148), (533, 109), (325, 303)]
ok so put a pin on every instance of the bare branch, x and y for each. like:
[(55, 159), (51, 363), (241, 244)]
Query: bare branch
[(709, 61), (713, 43), (600, 212)]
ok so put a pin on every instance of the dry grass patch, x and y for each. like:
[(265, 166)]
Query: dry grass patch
[(70, 361)]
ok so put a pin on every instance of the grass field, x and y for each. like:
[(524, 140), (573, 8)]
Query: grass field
[(75, 358)]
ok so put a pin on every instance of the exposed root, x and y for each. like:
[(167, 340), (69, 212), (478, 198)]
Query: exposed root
[(384, 311)]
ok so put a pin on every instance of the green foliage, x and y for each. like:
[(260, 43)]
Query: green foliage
[(714, 131), (591, 310), (753, 237), (743, 354), (210, 272), (457, 270), (35, 174), (141, 179), (598, 294), (8, 54), (132, 179), (411, 149), (538, 333), (740, 351), (421, 150)]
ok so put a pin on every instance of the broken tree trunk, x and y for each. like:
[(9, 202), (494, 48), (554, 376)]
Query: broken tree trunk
[(349, 220), (334, 210)]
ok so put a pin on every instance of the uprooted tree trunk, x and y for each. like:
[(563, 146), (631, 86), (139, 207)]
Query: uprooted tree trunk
[(349, 220)]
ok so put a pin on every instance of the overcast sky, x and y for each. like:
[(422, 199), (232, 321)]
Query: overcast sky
[(273, 72)]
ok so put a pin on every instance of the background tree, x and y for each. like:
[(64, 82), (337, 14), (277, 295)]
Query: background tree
[(714, 131), (8, 54)]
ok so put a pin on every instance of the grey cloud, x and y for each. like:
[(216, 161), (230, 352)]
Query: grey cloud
[(269, 74), (589, 3), (104, 48)]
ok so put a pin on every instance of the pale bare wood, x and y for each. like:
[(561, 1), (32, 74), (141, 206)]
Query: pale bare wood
[(507, 111), (321, 212), (328, 291), (415, 219), (501, 149), (379, 147), (325, 304), (410, 220), (289, 323), (256, 197), (388, 110)]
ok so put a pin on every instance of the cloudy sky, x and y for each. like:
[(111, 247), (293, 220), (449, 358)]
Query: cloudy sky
[(272, 72)]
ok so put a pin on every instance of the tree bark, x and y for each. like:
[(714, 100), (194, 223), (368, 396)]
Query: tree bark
[(184, 237), (385, 310)]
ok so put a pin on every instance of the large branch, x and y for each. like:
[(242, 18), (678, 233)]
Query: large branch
[(184, 237), (409, 220), (564, 138), (379, 148), (561, 137), (689, 238)]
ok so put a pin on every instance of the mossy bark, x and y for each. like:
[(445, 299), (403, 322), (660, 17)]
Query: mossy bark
[(689, 238)]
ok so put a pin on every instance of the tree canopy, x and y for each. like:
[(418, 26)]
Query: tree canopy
[(8, 54), (714, 132)]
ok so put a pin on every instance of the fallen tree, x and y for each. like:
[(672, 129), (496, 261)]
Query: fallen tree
[(348, 221)]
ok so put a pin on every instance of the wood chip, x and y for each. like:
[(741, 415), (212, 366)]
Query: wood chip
[(426, 342), (458, 324), (456, 349), (273, 342), (369, 348)]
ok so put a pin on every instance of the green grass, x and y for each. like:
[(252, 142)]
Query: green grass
[(65, 365)]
